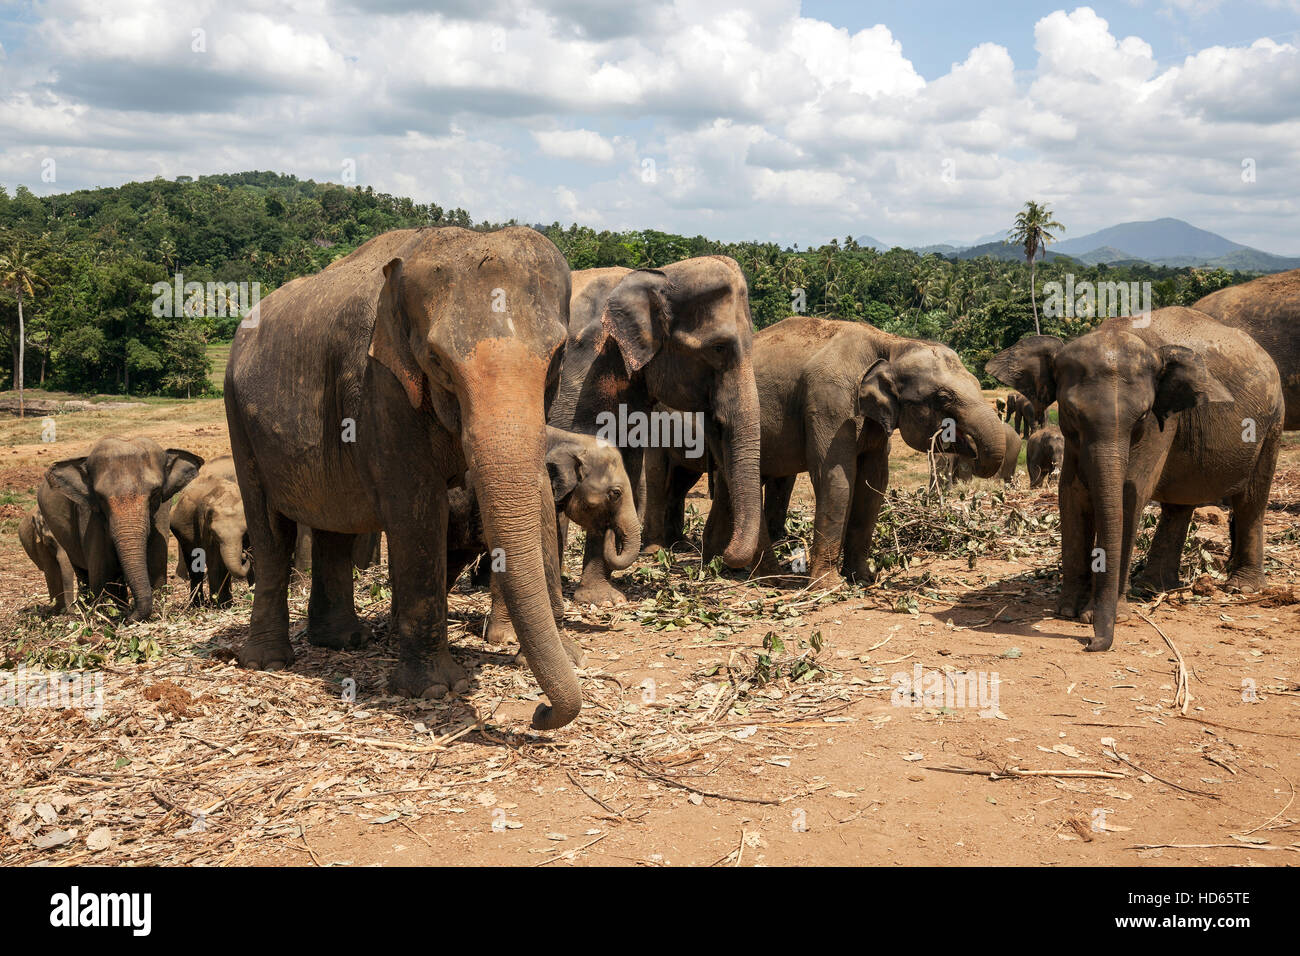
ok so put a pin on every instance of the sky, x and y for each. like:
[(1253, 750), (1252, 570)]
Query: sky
[(773, 120)]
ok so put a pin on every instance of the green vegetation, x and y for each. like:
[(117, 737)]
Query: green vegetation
[(92, 259)]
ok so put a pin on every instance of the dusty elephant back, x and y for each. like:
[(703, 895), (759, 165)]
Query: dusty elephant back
[(1268, 310)]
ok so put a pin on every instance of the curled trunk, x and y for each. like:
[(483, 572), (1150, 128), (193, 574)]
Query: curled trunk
[(623, 537), (233, 557), (984, 429)]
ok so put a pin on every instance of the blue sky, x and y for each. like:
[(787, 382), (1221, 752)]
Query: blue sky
[(772, 119)]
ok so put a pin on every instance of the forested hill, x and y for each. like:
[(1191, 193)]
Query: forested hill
[(93, 324)]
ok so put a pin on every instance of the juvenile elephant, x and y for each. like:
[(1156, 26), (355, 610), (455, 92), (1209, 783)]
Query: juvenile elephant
[(208, 522), (1044, 454), (953, 467), (1181, 410), (358, 395), (1020, 411), (1268, 310), (590, 487), (109, 512), (365, 550), (46, 554), (682, 336), (831, 394)]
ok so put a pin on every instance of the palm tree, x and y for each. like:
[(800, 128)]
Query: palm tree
[(18, 275), (1031, 231)]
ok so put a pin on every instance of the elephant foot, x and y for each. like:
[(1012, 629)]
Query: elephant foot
[(577, 657), (1071, 604), (1099, 644), (344, 636), (824, 580), (1247, 582), (1122, 613), (599, 592), (266, 654), (862, 574), (500, 629), (432, 680), (1156, 580)]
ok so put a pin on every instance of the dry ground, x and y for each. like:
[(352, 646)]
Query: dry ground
[(727, 723)]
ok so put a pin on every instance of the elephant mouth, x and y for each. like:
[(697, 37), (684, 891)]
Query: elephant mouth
[(963, 445)]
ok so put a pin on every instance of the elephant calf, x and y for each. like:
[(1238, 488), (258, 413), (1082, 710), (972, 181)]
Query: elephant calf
[(208, 522), (1173, 408), (45, 552), (1043, 454), (1020, 410), (109, 511), (591, 488)]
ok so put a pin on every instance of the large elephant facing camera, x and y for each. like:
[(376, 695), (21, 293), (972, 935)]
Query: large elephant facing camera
[(832, 393), (681, 336), (1174, 408), (109, 512), (358, 395)]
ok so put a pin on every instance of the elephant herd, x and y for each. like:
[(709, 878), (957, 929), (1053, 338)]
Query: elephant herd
[(453, 389)]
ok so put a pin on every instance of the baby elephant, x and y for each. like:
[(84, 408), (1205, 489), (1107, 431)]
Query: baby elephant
[(953, 468), (208, 522), (590, 487), (41, 547), (1044, 454)]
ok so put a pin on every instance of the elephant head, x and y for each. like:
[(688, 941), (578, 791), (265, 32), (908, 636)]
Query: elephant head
[(924, 388), (1112, 388), (479, 346), (591, 486), (688, 330), (118, 490), (225, 528)]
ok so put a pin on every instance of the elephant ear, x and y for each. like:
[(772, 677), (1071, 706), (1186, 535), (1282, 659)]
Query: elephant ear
[(390, 343), (564, 466), (637, 316), (69, 477), (1028, 368), (1184, 382), (182, 467), (878, 395)]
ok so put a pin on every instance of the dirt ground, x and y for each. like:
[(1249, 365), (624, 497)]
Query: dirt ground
[(727, 722)]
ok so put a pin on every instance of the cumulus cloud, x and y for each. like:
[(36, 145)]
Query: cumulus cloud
[(739, 120)]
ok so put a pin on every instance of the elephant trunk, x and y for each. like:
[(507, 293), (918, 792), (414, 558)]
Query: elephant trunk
[(737, 415), (983, 427), (129, 527), (623, 536), (504, 437), (1109, 490), (234, 558)]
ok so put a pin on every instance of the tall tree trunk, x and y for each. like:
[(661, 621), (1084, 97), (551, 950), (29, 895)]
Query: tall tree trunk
[(18, 372), (1033, 293)]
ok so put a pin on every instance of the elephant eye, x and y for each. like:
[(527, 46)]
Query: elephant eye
[(615, 494)]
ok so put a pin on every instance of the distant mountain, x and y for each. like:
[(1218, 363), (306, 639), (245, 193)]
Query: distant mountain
[(1153, 241), (1244, 260), (1002, 250), (942, 248), (873, 243), (1107, 254)]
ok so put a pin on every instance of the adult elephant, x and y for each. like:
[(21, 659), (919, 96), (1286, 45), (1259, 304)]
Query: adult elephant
[(1020, 412), (1183, 411), (1268, 310), (358, 395), (109, 512), (831, 394), (682, 336)]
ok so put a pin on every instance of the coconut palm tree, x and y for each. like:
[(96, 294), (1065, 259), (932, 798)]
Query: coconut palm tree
[(18, 274), (1031, 231)]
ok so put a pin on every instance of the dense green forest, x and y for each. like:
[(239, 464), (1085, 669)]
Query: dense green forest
[(93, 259)]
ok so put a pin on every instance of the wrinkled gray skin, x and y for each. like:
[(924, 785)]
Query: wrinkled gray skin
[(682, 336), (1043, 455), (590, 487), (208, 521), (831, 394), (109, 512), (440, 345), (953, 468), (1268, 310), (45, 552), (1152, 413), (1020, 412)]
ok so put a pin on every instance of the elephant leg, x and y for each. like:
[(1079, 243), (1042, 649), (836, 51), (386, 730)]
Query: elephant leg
[(185, 568), (67, 579), (156, 558), (331, 614), (1078, 532), (417, 562), (833, 475), (655, 475), (1035, 473), (776, 505), (594, 587), (868, 496), (718, 525), (272, 537), (1166, 552), (481, 576), (302, 550), (1246, 557), (218, 579), (680, 482)]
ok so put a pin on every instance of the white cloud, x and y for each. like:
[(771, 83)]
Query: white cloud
[(583, 144)]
